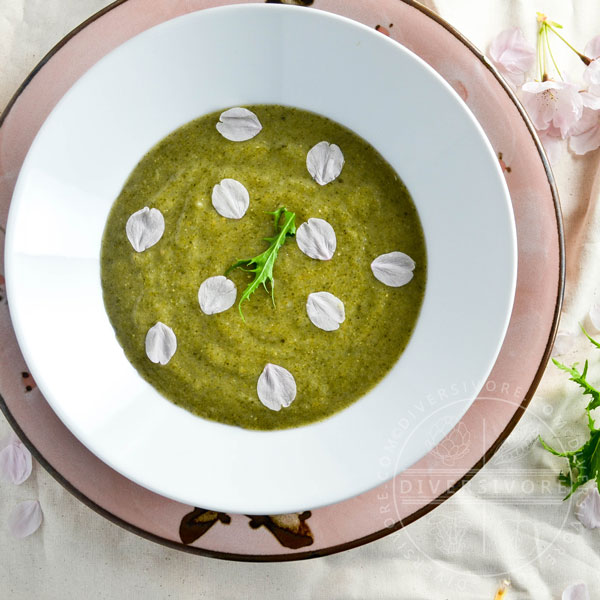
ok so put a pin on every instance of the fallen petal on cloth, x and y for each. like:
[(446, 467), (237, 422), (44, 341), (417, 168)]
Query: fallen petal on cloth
[(25, 519), (587, 510), (563, 343), (576, 591), (15, 461)]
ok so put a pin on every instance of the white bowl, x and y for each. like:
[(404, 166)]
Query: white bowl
[(180, 70)]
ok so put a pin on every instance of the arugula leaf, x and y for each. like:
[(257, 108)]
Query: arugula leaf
[(587, 335), (584, 463), (580, 380), (262, 265)]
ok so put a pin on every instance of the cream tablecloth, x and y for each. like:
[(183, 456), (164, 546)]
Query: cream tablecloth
[(485, 533)]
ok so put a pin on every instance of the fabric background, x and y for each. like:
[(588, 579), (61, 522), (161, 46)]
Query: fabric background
[(485, 533)]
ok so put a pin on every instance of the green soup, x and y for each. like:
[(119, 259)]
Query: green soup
[(219, 357)]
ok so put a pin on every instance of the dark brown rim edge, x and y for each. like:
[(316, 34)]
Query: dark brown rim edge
[(442, 497)]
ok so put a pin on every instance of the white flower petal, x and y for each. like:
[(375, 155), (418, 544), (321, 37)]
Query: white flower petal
[(216, 294), (563, 343), (394, 269), (594, 316), (230, 199), (590, 100), (25, 519), (588, 508), (161, 343), (144, 228), (325, 310), (316, 238), (576, 591), (592, 48), (324, 162), (276, 387), (15, 462), (238, 124)]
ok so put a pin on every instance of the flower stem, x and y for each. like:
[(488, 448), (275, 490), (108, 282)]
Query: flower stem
[(550, 52), (585, 59)]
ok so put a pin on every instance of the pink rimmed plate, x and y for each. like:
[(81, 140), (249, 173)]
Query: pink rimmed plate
[(449, 464)]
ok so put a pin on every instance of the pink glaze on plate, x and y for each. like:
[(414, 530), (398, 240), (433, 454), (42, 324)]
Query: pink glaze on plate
[(446, 467)]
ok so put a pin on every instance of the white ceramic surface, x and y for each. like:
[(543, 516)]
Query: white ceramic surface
[(178, 71)]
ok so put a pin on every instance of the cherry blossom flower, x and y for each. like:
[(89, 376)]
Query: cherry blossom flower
[(555, 104), (512, 55)]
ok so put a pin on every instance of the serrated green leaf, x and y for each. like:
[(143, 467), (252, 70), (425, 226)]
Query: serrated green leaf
[(262, 265), (581, 381)]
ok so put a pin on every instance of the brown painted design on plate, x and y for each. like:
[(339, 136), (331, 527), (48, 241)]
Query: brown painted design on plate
[(290, 531), (198, 522)]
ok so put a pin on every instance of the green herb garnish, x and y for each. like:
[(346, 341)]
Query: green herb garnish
[(584, 463), (262, 265)]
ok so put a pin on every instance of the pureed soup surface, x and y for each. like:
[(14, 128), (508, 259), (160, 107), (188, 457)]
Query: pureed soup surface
[(219, 357)]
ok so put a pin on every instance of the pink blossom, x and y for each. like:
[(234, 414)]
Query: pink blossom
[(592, 49), (585, 135), (555, 104), (15, 461), (512, 55), (591, 75)]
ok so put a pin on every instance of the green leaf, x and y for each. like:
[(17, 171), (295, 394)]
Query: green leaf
[(584, 463), (597, 344), (262, 265), (580, 380)]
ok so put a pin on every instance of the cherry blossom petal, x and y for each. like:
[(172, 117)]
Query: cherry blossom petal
[(592, 48), (324, 162), (230, 199), (161, 343), (591, 76), (25, 519), (216, 295), (276, 387), (590, 101), (15, 461), (316, 238), (556, 103), (588, 508), (576, 591), (585, 135), (553, 144), (563, 343), (238, 124), (144, 228), (394, 269), (512, 55), (594, 316), (325, 310)]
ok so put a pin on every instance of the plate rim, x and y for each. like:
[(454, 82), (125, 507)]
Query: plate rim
[(468, 474)]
